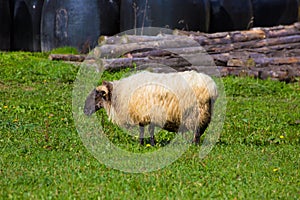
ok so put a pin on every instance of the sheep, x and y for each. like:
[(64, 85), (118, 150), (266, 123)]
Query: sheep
[(175, 102)]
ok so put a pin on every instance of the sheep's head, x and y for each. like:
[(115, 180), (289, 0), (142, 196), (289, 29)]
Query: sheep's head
[(98, 97)]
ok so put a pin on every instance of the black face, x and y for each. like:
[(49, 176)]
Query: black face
[(94, 102)]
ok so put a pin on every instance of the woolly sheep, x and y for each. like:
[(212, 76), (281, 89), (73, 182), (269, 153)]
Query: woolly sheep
[(173, 101)]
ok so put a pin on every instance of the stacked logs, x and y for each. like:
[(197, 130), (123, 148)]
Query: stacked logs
[(260, 52)]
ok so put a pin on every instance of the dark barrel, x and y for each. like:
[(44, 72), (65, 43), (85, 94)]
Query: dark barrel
[(274, 12), (26, 25), (78, 23), (298, 10), (5, 22), (229, 15), (192, 15)]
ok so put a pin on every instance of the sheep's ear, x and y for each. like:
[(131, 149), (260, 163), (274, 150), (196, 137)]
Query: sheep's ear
[(109, 85)]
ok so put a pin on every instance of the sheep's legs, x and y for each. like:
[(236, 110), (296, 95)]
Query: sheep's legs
[(151, 132), (142, 130), (201, 129), (199, 132)]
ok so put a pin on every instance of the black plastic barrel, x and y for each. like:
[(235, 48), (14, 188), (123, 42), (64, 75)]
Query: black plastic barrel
[(192, 15), (26, 25), (229, 15), (298, 10), (78, 23), (274, 12), (5, 22)]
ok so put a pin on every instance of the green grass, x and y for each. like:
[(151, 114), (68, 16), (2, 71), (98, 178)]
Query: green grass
[(42, 156), (65, 50)]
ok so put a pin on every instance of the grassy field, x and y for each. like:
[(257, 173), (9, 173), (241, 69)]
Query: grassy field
[(42, 156)]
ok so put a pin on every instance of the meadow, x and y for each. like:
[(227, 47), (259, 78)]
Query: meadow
[(42, 156)]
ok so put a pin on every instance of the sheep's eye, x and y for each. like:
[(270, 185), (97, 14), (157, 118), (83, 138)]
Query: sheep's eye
[(102, 94)]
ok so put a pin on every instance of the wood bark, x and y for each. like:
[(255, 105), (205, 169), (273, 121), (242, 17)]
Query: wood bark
[(260, 52), (67, 57)]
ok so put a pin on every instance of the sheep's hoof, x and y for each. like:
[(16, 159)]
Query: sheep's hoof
[(152, 142)]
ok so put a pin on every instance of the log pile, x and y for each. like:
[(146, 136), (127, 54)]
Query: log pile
[(260, 52)]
